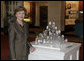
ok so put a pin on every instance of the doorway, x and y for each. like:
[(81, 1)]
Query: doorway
[(43, 16)]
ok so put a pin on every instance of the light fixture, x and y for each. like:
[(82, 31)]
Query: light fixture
[(27, 20), (81, 11)]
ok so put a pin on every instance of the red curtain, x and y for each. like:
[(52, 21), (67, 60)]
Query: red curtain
[(80, 5)]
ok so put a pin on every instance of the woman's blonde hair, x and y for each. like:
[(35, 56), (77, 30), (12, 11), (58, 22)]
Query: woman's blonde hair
[(20, 8)]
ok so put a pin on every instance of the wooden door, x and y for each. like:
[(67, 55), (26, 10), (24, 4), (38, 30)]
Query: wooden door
[(43, 16)]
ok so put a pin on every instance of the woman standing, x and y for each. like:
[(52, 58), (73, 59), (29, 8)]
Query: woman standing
[(18, 36)]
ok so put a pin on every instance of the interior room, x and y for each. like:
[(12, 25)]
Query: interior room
[(67, 16)]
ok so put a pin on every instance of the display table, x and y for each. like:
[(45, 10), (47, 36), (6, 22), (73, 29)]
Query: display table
[(44, 53)]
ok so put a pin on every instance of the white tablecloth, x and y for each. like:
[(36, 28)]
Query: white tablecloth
[(69, 53)]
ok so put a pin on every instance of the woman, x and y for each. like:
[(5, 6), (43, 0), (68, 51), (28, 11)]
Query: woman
[(18, 34)]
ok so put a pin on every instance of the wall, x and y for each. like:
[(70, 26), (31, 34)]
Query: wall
[(37, 22), (12, 6), (38, 4), (55, 10), (27, 6), (63, 15), (2, 13)]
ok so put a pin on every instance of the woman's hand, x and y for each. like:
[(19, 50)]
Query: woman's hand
[(32, 49)]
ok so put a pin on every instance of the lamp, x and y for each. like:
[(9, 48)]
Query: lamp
[(27, 20), (81, 12)]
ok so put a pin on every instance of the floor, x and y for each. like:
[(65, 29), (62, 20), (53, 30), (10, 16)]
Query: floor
[(5, 44)]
